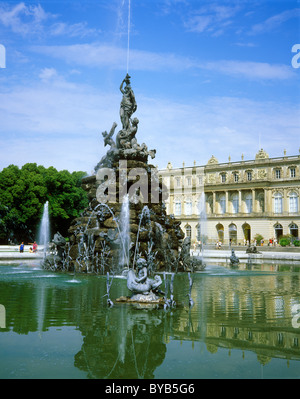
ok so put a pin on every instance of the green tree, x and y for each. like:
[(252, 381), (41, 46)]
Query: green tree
[(23, 193)]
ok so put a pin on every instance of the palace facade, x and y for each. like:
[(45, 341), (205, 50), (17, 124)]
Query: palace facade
[(234, 201)]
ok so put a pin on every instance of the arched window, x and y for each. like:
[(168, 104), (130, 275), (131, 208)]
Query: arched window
[(177, 207), (220, 232), (248, 203), (235, 203), (294, 231), (293, 202), (188, 231), (261, 201), (188, 207), (198, 232), (233, 233), (247, 232), (277, 203), (278, 231), (222, 202)]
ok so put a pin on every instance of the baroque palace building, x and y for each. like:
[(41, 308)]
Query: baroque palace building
[(234, 201)]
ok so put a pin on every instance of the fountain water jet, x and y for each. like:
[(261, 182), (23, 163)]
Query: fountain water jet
[(44, 231), (125, 232)]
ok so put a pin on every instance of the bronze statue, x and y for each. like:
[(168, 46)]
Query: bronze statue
[(128, 103)]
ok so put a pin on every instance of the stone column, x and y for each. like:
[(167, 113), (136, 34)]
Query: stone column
[(240, 201)]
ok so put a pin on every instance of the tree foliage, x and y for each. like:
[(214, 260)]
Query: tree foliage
[(23, 193)]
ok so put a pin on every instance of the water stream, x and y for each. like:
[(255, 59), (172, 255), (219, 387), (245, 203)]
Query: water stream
[(44, 231)]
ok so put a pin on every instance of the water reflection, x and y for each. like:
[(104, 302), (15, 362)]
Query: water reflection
[(128, 343), (248, 311)]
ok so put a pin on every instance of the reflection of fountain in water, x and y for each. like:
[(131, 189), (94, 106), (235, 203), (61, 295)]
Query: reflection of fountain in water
[(44, 231), (145, 212)]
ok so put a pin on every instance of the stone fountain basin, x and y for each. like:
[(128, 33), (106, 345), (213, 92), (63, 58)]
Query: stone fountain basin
[(142, 298)]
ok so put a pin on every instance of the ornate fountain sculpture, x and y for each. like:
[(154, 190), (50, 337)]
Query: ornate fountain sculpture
[(96, 237), (234, 260), (144, 288)]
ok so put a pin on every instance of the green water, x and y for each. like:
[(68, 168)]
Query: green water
[(243, 325)]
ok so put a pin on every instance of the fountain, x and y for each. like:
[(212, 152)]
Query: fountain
[(125, 227), (44, 231)]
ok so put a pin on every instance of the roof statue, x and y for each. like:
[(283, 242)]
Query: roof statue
[(261, 154)]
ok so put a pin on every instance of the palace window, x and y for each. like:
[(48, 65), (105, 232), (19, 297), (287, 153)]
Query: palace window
[(248, 202), (249, 176), (277, 203), (198, 232), (277, 173), (292, 172), (177, 208), (188, 207), (293, 203), (294, 231), (222, 201), (223, 177), (232, 233), (188, 231), (236, 177), (235, 203), (177, 181), (189, 181)]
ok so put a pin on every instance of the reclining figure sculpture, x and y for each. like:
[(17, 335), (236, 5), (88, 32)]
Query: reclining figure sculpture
[(141, 283)]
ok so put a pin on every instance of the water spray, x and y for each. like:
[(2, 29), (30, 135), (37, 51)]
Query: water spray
[(128, 38)]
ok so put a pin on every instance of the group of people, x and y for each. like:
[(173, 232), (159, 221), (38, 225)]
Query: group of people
[(32, 249), (272, 242)]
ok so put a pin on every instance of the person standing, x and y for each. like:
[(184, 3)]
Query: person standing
[(21, 248), (34, 247)]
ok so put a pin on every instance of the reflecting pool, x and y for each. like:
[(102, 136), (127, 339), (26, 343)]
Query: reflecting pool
[(245, 323)]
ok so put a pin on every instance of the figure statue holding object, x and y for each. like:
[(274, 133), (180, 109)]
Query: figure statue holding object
[(128, 103)]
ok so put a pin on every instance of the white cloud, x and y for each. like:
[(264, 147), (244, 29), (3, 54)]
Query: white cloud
[(48, 73), (252, 70), (74, 30), (32, 20), (60, 124), (275, 21), (101, 55), (212, 18), (23, 19)]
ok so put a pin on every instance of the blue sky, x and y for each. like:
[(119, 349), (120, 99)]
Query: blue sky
[(210, 78)]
